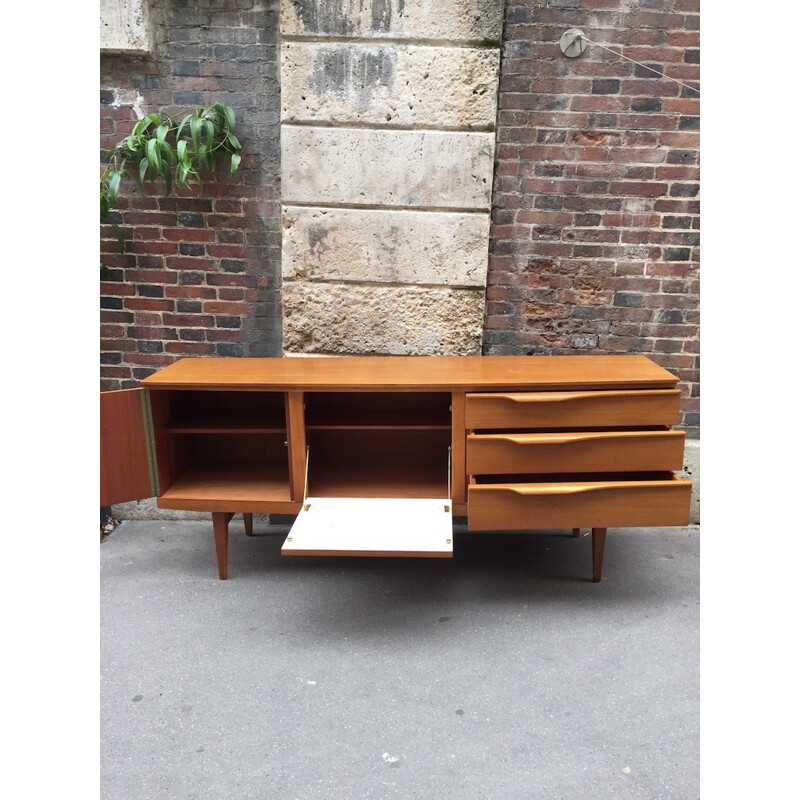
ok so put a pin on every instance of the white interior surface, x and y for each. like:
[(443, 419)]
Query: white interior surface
[(372, 527)]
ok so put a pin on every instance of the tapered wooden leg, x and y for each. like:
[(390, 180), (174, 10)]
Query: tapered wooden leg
[(598, 548), (220, 521), (248, 524), (576, 532)]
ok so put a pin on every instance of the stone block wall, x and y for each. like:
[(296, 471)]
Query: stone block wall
[(595, 212), (201, 275), (387, 151)]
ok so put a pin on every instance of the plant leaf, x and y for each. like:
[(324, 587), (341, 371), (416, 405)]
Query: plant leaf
[(143, 165), (234, 141), (195, 124), (230, 116), (167, 153), (236, 159), (182, 152), (161, 132), (210, 133), (113, 185), (120, 237), (182, 126), (103, 206), (182, 174), (154, 155)]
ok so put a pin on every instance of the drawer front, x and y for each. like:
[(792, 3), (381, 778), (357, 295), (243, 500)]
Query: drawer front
[(603, 504), (572, 409), (607, 451)]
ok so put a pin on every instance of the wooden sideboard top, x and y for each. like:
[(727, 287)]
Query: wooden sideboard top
[(409, 373)]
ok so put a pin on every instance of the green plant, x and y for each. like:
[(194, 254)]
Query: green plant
[(159, 148)]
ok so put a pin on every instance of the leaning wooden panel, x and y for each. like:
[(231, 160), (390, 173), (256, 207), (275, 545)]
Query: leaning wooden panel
[(124, 463), (596, 504), (590, 451), (572, 409)]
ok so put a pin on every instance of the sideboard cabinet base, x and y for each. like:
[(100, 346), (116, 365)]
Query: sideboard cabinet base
[(511, 442)]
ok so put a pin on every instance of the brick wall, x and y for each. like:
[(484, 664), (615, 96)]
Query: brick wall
[(201, 275), (595, 228)]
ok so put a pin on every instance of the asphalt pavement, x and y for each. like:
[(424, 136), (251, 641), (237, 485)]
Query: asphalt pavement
[(503, 674)]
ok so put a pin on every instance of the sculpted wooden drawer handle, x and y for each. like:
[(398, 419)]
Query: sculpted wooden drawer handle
[(566, 489), (544, 438), (561, 397)]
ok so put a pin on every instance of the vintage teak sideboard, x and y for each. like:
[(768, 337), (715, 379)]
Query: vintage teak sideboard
[(375, 455)]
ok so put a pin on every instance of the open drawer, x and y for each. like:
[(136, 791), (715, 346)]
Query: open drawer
[(580, 451), (516, 410), (631, 500)]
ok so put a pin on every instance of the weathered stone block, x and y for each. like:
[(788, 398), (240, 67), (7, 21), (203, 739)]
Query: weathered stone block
[(124, 27), (458, 20), (383, 167), (351, 319), (453, 87), (418, 247)]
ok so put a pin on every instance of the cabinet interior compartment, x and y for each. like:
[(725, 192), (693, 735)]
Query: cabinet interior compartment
[(378, 410), (221, 446), (378, 463), (225, 412)]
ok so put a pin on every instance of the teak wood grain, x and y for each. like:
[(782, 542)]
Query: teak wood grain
[(572, 409), (402, 373), (124, 467), (585, 451), (458, 460), (296, 442), (536, 442), (579, 504)]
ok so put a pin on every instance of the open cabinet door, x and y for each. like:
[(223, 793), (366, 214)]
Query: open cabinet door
[(125, 469)]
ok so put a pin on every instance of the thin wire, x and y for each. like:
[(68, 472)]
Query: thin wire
[(661, 74)]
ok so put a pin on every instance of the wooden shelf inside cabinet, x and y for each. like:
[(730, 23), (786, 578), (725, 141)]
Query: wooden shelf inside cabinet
[(245, 420), (239, 483), (377, 420)]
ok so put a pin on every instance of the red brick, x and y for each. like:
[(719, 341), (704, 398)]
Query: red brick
[(648, 189), (189, 348), (111, 331), (191, 292), (218, 307), (160, 277), (148, 304), (189, 234), (189, 320)]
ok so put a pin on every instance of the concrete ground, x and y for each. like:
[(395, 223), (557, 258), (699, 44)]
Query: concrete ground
[(503, 673)]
